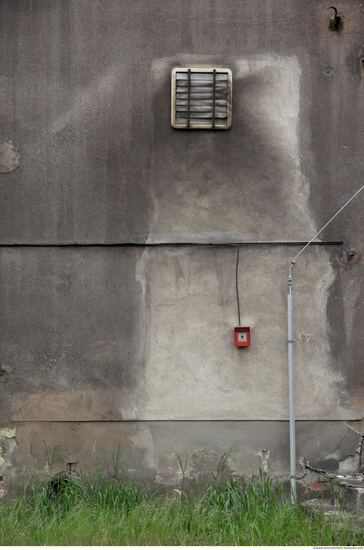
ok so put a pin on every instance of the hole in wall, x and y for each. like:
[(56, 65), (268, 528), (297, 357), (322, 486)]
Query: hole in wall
[(351, 255)]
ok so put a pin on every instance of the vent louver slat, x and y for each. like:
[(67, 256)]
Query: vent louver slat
[(201, 98)]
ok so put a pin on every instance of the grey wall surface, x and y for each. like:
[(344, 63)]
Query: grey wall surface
[(145, 333)]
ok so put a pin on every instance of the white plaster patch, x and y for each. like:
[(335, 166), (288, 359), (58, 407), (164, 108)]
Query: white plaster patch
[(143, 441), (192, 368), (7, 432), (9, 156), (351, 295)]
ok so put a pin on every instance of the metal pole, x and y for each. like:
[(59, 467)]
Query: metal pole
[(292, 431), (292, 434)]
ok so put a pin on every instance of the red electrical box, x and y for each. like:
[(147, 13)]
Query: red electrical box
[(242, 336)]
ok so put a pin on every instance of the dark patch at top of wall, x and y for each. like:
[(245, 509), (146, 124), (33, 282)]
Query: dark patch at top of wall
[(82, 129)]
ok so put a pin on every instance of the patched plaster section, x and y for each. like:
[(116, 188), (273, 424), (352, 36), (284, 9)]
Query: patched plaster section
[(143, 442), (264, 454), (139, 394), (192, 370), (8, 444), (351, 294), (9, 156), (195, 185), (7, 432)]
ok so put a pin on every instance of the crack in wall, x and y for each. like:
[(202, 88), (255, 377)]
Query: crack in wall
[(345, 463), (341, 440)]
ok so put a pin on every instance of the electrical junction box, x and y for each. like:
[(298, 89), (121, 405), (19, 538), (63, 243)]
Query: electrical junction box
[(242, 336)]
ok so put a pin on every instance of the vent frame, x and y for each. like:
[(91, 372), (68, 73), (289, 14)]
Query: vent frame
[(214, 78)]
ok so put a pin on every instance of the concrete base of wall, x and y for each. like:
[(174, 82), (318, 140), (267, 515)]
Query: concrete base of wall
[(154, 451)]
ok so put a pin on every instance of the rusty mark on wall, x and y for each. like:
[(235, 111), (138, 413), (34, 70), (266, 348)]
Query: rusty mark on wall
[(350, 255)]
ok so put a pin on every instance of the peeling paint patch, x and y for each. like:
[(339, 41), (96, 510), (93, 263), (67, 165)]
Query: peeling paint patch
[(265, 454), (8, 444), (9, 156), (317, 485), (344, 460), (345, 471), (7, 432)]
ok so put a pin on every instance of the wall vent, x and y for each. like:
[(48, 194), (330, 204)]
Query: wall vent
[(201, 98)]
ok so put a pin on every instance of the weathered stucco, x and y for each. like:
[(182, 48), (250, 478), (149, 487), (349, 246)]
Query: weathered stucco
[(67, 343), (232, 186), (152, 451), (192, 370), (120, 344)]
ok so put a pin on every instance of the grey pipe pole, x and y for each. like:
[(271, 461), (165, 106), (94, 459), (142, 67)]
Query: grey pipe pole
[(292, 420), (292, 430)]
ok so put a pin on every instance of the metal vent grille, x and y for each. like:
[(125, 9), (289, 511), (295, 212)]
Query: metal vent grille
[(201, 98)]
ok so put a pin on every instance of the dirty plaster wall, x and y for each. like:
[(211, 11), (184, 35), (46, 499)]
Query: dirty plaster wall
[(107, 346)]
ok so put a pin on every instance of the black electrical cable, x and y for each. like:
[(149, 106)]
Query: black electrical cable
[(237, 283), (137, 244)]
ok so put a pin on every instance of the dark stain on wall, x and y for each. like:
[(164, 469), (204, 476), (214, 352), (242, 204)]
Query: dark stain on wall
[(247, 161), (71, 317)]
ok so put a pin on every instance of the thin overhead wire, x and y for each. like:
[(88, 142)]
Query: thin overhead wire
[(318, 233)]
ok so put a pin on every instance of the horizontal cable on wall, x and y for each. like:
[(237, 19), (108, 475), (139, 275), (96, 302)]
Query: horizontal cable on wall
[(136, 244)]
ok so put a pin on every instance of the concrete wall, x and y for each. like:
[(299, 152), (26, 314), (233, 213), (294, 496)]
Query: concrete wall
[(131, 345)]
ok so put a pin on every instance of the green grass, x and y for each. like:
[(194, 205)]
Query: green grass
[(213, 510)]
